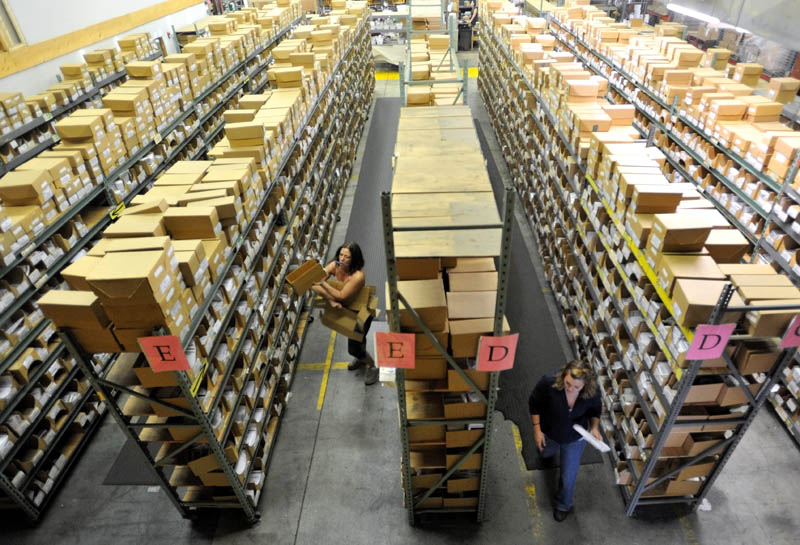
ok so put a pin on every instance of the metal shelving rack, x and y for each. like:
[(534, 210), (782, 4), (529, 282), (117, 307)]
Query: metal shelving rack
[(405, 68), (770, 214), (57, 114), (42, 325), (550, 192), (414, 504), (322, 178)]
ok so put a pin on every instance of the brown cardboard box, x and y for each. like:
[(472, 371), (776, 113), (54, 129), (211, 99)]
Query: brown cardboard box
[(26, 187), (305, 275), (745, 268), (672, 266), (97, 341), (655, 198), (133, 277), (677, 233), (456, 384), (427, 297), (75, 274), (465, 334), (727, 245), (192, 222), (410, 268), (693, 301), (423, 346), (128, 337), (139, 225), (471, 304), (464, 410), (771, 323), (79, 309), (480, 281), (755, 357), (753, 294), (473, 264), (428, 368), (763, 280), (734, 395)]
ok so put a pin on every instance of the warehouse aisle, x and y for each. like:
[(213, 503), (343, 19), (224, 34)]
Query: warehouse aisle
[(335, 472)]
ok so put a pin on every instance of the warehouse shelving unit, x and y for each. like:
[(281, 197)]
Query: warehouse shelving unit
[(665, 449), (230, 411), (626, 88), (451, 29), (429, 484), (86, 219), (45, 125)]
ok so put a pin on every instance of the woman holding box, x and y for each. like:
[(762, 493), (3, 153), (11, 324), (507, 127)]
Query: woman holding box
[(556, 404), (348, 269)]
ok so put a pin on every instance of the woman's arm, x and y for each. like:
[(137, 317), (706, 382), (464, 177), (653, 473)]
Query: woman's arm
[(351, 287), (594, 428)]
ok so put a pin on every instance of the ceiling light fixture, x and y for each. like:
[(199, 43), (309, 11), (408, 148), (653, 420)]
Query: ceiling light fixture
[(692, 13)]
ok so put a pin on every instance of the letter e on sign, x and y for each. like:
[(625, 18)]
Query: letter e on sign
[(709, 341), (164, 353), (792, 336), (497, 353), (395, 350)]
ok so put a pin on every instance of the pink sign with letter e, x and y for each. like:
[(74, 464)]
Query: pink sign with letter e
[(497, 353), (395, 350), (164, 353), (792, 336), (709, 341)]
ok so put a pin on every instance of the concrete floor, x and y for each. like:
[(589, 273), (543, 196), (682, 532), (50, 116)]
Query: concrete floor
[(335, 476)]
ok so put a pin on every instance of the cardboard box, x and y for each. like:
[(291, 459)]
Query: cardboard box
[(78, 309), (753, 294), (409, 268), (427, 297), (693, 301), (473, 264), (677, 233), (75, 274), (305, 275), (428, 368), (771, 323), (192, 222), (457, 384), (755, 357), (138, 225), (672, 266), (465, 334), (97, 341), (471, 304), (480, 281), (727, 245), (133, 277)]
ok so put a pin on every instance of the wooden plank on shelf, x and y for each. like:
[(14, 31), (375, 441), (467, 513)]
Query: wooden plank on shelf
[(444, 209), (459, 243), (22, 58)]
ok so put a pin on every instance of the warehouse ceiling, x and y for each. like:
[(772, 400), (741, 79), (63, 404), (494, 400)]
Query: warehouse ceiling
[(773, 19)]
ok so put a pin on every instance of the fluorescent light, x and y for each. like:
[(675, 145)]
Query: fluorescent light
[(692, 13)]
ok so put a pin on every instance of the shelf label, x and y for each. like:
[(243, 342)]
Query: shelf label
[(198, 379), (709, 341), (497, 353), (792, 336), (395, 350), (164, 353), (47, 116), (116, 212)]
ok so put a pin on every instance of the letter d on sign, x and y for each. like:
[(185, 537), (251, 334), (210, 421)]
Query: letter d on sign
[(395, 350), (497, 353), (709, 341), (792, 336)]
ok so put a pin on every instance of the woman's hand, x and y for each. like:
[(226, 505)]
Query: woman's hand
[(596, 434), (539, 438), (336, 304)]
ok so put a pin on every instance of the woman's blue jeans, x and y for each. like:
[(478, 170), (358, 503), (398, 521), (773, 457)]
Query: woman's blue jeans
[(570, 462)]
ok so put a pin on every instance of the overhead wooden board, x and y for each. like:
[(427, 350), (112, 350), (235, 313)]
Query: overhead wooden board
[(444, 209), (458, 243), (439, 174)]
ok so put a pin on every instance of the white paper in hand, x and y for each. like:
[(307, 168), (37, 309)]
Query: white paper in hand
[(599, 445)]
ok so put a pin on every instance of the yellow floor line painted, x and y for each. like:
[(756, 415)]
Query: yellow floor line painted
[(530, 489), (326, 371), (688, 531), (394, 76), (338, 366)]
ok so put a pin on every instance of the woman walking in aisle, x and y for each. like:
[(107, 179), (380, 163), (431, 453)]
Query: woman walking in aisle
[(348, 269), (556, 403)]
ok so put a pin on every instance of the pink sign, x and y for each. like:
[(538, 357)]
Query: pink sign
[(497, 353), (709, 341), (395, 350), (792, 336), (164, 353)]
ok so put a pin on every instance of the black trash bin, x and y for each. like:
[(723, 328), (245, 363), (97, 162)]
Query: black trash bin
[(464, 37)]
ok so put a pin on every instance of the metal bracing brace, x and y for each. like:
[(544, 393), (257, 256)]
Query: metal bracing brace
[(690, 462), (473, 449), (440, 348), (165, 460), (134, 393)]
